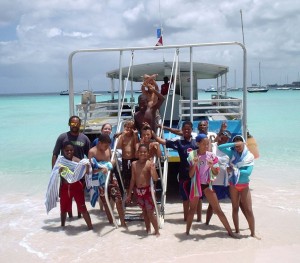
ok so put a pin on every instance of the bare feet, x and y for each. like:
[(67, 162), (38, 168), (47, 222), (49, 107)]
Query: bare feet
[(255, 236), (231, 234), (124, 225)]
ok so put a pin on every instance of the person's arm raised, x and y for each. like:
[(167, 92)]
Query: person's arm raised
[(158, 139), (160, 97), (172, 130)]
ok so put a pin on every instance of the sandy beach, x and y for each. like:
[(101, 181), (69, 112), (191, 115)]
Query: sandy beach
[(34, 236)]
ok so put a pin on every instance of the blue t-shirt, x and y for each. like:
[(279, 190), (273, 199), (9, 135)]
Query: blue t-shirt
[(183, 148)]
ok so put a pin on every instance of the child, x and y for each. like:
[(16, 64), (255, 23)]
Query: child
[(142, 171), (153, 146), (148, 109), (149, 81), (71, 172), (239, 171), (127, 142), (203, 170), (183, 147), (100, 156)]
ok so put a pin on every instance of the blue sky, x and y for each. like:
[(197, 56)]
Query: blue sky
[(36, 37)]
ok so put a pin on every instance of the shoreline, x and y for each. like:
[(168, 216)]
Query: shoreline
[(30, 235)]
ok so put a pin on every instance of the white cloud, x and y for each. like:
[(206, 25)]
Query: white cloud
[(41, 34), (54, 32)]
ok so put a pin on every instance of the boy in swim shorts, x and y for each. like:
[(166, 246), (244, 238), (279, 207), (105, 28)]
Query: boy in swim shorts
[(142, 172), (72, 190)]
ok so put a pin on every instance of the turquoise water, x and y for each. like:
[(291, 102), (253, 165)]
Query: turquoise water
[(30, 125)]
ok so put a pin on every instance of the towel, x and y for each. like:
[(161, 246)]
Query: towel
[(96, 180), (202, 170), (195, 190), (237, 161), (72, 172)]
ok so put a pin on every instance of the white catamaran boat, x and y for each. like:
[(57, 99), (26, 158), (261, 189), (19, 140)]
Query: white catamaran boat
[(183, 104)]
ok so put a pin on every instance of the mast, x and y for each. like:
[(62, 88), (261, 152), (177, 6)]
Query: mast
[(242, 26), (161, 28), (259, 75)]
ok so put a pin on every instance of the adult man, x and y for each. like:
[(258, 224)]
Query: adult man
[(80, 142)]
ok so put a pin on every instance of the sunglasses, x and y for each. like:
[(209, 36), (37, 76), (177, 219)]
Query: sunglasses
[(74, 124), (226, 134)]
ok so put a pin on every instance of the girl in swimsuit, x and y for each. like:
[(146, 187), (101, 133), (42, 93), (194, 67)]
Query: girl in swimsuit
[(203, 169), (241, 163)]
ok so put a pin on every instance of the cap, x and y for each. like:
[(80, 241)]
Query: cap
[(200, 137)]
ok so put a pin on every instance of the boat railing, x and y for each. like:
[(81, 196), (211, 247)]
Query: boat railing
[(215, 108), (96, 113)]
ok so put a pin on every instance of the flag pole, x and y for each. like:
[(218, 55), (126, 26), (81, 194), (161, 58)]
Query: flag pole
[(242, 26), (161, 28)]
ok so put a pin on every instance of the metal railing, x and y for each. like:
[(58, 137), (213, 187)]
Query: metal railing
[(229, 107)]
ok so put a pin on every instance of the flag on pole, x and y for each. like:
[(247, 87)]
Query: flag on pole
[(159, 42), (158, 32)]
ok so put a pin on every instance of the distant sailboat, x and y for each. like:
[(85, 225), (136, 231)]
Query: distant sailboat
[(255, 87)]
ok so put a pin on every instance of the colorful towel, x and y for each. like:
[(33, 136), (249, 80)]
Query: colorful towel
[(195, 190), (96, 180), (203, 173), (72, 172)]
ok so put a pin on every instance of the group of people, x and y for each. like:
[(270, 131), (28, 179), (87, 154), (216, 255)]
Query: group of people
[(214, 168), (208, 162), (88, 163)]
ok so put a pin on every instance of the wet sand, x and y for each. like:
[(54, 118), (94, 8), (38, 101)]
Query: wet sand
[(28, 234)]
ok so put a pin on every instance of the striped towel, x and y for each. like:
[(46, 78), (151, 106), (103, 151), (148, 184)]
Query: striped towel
[(195, 190), (72, 172)]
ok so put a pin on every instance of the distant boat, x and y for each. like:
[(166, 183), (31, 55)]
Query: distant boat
[(211, 89), (64, 92), (256, 88), (283, 88)]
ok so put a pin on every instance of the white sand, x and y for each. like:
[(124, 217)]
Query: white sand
[(35, 236)]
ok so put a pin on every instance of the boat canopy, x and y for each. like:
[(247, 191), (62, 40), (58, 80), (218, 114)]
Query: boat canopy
[(201, 70)]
